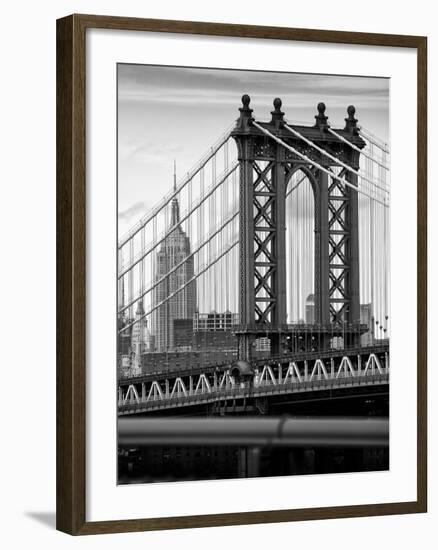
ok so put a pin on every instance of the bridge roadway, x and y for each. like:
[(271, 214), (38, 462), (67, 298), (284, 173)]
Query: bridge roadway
[(256, 362), (355, 369)]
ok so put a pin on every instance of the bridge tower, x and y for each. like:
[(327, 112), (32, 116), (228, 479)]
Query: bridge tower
[(266, 167)]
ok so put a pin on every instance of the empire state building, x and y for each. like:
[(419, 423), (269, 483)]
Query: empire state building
[(173, 303)]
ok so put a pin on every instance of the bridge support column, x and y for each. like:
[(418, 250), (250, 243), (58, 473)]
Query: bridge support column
[(262, 231), (353, 251), (359, 365), (306, 371), (322, 262), (245, 346)]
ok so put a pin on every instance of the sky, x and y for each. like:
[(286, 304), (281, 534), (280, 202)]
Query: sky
[(177, 113)]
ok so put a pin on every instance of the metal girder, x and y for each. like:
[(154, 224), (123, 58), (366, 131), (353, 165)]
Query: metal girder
[(269, 155), (265, 257), (295, 376), (338, 241)]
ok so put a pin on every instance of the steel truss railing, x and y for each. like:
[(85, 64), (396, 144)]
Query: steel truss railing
[(270, 379), (134, 404)]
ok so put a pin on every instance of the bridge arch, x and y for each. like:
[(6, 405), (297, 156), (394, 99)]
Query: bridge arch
[(301, 197)]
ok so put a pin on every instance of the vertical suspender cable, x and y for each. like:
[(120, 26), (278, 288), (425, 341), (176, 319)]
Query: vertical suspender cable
[(372, 278), (387, 256), (201, 228), (226, 281), (213, 273), (121, 298), (131, 276), (236, 250)]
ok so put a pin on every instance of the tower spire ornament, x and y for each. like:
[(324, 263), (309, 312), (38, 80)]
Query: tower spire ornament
[(174, 219), (321, 118), (351, 121)]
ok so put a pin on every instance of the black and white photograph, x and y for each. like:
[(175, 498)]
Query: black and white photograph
[(219, 297), (253, 276)]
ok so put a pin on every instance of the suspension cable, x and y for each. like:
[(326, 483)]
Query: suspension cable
[(182, 287), (317, 165), (143, 253), (356, 148), (327, 154), (373, 139), (146, 291), (296, 186), (174, 193)]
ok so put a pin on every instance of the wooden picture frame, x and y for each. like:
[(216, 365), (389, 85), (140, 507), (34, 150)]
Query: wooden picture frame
[(71, 273)]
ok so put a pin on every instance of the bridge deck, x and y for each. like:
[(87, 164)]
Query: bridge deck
[(248, 391), (257, 362)]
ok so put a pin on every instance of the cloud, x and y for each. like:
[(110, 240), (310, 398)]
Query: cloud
[(148, 152), (202, 86), (133, 211)]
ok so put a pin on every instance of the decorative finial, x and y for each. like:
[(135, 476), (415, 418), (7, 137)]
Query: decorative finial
[(277, 103), (321, 118), (174, 174), (245, 100), (277, 114), (350, 122), (245, 118)]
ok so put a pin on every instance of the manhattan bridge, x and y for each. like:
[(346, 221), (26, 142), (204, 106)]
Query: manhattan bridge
[(259, 284)]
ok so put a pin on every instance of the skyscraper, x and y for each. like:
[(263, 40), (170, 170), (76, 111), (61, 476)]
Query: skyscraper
[(310, 309), (140, 340), (173, 304), (366, 318)]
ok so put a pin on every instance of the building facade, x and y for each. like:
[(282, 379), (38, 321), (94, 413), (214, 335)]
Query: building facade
[(366, 318), (170, 302), (310, 309)]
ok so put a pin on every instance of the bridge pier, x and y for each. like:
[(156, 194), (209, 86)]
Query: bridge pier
[(266, 167)]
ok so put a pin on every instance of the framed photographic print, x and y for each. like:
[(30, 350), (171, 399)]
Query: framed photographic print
[(241, 288)]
